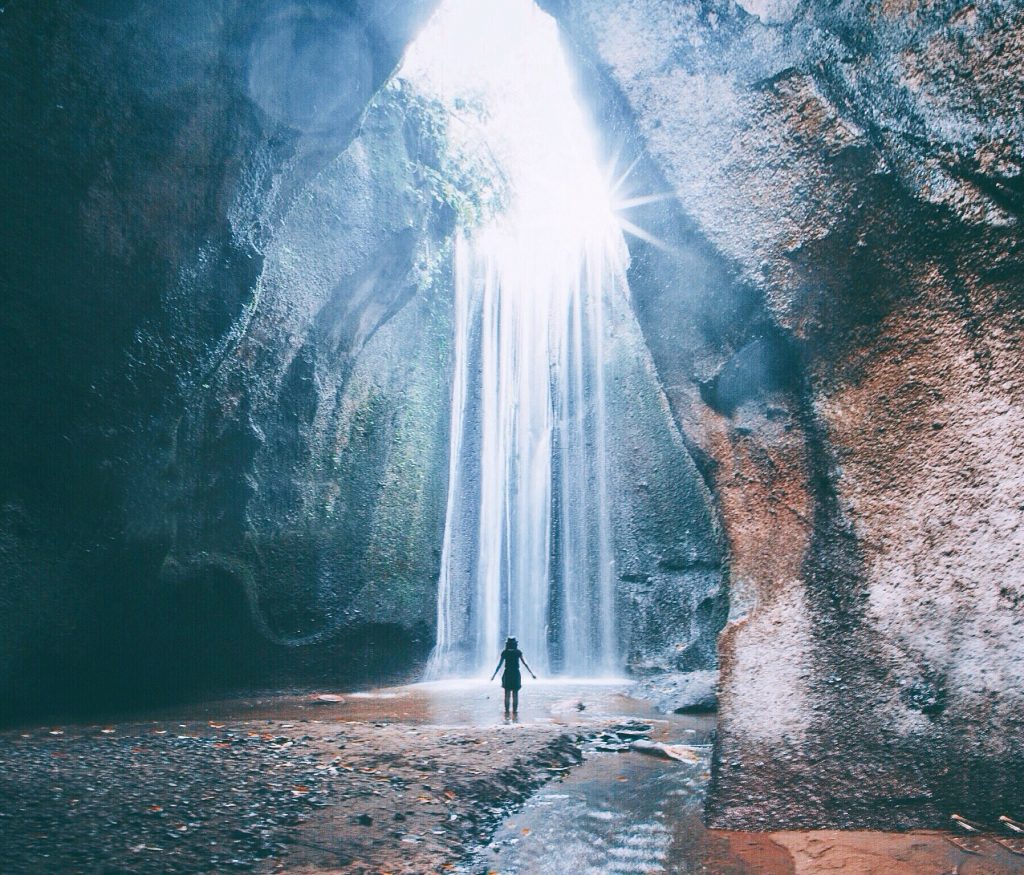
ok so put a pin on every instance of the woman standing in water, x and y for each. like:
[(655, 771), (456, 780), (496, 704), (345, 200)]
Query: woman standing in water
[(511, 680)]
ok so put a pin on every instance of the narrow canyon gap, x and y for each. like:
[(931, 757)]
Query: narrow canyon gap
[(541, 301)]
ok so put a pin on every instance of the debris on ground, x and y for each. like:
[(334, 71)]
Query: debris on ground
[(265, 795)]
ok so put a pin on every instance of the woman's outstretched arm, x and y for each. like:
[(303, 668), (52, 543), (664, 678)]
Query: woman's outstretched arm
[(530, 670), (501, 659)]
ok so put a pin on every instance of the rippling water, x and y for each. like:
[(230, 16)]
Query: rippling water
[(617, 814), (610, 817)]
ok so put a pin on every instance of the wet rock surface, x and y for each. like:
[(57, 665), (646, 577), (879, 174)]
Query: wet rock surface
[(681, 693), (836, 332), (164, 797), (265, 795)]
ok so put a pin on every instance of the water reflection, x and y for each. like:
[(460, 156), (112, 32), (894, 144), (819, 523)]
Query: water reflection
[(617, 813), (478, 702)]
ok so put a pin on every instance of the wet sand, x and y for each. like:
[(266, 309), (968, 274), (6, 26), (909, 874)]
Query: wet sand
[(417, 779)]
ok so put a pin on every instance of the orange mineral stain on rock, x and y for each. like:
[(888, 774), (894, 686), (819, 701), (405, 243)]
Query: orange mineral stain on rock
[(814, 852)]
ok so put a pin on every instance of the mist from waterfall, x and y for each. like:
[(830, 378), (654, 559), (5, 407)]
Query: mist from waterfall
[(527, 545)]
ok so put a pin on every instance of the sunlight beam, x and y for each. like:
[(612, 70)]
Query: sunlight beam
[(534, 281), (631, 202), (646, 236)]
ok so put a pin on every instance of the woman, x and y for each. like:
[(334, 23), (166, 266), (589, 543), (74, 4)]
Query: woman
[(511, 680)]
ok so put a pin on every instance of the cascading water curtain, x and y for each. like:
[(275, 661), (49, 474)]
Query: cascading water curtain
[(528, 542)]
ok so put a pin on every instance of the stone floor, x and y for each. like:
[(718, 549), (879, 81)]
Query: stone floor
[(417, 779)]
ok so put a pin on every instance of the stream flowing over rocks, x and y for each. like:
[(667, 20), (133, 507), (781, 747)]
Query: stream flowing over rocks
[(225, 385), (413, 780)]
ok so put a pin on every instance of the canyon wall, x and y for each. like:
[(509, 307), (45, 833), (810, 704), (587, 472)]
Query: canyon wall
[(199, 259), (850, 178), (227, 367)]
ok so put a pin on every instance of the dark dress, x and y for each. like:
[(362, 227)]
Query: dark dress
[(510, 677)]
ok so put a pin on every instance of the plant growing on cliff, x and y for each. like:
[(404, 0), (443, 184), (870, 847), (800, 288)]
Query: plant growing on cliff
[(460, 174)]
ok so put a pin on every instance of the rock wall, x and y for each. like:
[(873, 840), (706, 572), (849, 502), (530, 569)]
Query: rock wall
[(850, 175), (669, 547), (227, 381), (310, 463), (162, 163)]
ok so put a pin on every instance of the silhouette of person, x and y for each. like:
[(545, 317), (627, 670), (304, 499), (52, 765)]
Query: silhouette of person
[(511, 680)]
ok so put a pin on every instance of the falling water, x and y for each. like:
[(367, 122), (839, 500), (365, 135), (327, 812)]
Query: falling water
[(527, 545)]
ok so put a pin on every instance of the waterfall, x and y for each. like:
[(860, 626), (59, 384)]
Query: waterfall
[(527, 545)]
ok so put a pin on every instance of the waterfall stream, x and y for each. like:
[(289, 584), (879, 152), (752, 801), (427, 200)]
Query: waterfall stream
[(527, 545)]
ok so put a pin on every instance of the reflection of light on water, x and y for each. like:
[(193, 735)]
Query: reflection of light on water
[(461, 702), (480, 685), (615, 813), (466, 684)]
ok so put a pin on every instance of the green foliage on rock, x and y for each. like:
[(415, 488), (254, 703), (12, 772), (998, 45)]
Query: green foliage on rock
[(468, 182)]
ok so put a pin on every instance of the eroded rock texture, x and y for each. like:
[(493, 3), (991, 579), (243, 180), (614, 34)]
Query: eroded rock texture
[(838, 335), (199, 259)]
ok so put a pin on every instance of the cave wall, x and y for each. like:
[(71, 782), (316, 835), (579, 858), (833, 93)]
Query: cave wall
[(226, 384), (849, 178), (160, 159), (669, 550), (311, 462)]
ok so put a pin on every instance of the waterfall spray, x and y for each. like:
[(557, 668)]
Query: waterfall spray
[(528, 538)]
